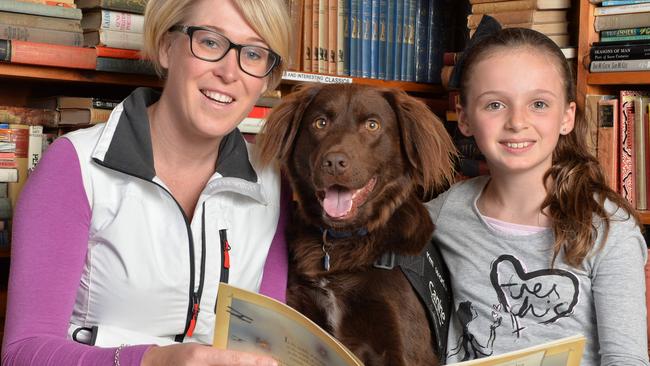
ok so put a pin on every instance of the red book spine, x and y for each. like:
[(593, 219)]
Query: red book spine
[(34, 53), (117, 53), (259, 112)]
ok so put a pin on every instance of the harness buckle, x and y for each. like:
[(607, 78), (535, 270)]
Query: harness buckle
[(386, 261)]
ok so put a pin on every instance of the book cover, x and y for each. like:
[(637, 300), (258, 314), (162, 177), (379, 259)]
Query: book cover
[(366, 30), (19, 135), (323, 25), (306, 35), (31, 34), (622, 2), (354, 38), (41, 22), (621, 21), (125, 66), (421, 41), (390, 40), (591, 117), (406, 25), (620, 65), (113, 39), (29, 116), (112, 52), (627, 157), (15, 6), (343, 38), (621, 38), (315, 33), (435, 41), (59, 102), (34, 147), (399, 39), (129, 6), (374, 39), (382, 39), (332, 28), (501, 6), (521, 16), (625, 32), (86, 116), (409, 69), (250, 322), (607, 153), (112, 20), (296, 11), (618, 52), (35, 53)]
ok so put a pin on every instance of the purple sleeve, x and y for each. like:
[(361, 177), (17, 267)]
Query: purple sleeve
[(48, 251)]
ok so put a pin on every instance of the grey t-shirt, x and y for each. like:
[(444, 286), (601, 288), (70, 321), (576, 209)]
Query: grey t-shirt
[(507, 296)]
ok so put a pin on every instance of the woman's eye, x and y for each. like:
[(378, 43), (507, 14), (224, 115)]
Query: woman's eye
[(372, 125), (320, 123)]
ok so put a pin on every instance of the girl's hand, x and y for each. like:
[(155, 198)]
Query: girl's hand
[(193, 354)]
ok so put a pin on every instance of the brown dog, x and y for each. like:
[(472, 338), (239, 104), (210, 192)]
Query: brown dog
[(359, 159)]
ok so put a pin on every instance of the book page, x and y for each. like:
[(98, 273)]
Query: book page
[(250, 322)]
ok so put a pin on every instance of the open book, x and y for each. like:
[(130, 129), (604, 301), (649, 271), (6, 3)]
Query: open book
[(250, 322)]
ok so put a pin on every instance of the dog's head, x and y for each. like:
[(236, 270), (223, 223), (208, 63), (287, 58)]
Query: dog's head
[(355, 153)]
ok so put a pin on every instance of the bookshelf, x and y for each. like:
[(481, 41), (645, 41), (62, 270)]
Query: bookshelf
[(602, 83)]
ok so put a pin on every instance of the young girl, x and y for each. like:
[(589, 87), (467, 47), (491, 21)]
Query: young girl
[(541, 249)]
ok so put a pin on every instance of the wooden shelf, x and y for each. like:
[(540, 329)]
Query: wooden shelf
[(645, 217), (297, 77), (5, 253), (619, 78), (46, 73)]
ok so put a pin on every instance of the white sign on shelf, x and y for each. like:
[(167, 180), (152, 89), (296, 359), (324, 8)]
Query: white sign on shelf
[(315, 78)]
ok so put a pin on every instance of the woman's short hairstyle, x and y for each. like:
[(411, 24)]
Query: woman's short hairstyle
[(268, 18)]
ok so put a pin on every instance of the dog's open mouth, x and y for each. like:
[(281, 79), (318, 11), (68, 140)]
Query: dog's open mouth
[(341, 202)]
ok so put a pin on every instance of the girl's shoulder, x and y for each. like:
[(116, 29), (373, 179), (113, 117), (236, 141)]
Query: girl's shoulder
[(461, 194)]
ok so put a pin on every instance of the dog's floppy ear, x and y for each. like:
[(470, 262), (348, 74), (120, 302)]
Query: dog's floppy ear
[(426, 143), (281, 127)]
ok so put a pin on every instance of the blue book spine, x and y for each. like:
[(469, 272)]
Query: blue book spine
[(397, 59), (410, 46), (421, 40), (366, 30), (405, 40), (623, 2), (390, 40), (374, 39), (354, 37), (346, 36), (435, 42), (381, 51)]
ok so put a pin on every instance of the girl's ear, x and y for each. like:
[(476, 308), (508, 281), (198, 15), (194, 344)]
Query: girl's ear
[(568, 119), (463, 123)]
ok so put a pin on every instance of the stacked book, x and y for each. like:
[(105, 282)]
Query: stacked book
[(114, 28), (624, 31), (546, 16), (41, 21)]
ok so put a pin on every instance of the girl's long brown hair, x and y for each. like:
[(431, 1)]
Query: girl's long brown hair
[(577, 185)]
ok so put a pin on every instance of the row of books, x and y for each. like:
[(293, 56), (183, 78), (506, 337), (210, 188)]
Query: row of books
[(103, 35), (624, 36), (546, 16), (620, 138), (381, 39)]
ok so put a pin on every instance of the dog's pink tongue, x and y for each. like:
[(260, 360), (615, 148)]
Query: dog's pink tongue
[(337, 203)]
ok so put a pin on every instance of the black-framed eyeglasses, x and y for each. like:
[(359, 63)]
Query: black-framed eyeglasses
[(211, 46)]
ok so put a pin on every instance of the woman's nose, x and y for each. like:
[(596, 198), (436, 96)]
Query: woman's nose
[(228, 67)]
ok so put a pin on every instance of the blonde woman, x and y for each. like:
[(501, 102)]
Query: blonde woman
[(125, 229)]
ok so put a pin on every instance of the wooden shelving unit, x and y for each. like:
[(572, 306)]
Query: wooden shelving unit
[(606, 82)]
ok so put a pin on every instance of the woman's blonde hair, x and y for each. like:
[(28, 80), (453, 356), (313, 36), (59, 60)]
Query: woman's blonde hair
[(268, 18)]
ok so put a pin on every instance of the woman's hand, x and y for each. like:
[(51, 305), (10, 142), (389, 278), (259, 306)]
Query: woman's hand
[(191, 354)]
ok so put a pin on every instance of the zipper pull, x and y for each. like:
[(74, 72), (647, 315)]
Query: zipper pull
[(195, 315), (226, 254)]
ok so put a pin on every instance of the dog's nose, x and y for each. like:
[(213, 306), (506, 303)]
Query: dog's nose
[(335, 163)]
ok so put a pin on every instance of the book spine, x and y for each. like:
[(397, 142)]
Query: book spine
[(399, 39), (634, 52), (366, 29), (125, 66), (42, 22), (622, 2), (640, 137), (120, 21), (296, 8), (35, 147), (117, 53), (342, 38), (15, 6), (390, 40), (410, 46), (619, 65), (622, 9), (8, 175), (129, 6), (374, 39), (354, 36), (639, 37), (494, 7), (315, 33), (28, 116), (20, 135), (332, 28), (625, 32), (406, 24), (435, 42), (621, 21), (607, 153), (422, 12), (626, 150), (33, 53), (382, 39), (306, 35), (323, 52), (115, 39), (41, 35)]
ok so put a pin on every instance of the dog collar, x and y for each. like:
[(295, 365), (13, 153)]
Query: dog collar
[(332, 234)]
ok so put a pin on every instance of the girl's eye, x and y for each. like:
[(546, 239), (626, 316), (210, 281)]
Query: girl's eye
[(372, 125), (320, 123), (539, 104), (494, 106)]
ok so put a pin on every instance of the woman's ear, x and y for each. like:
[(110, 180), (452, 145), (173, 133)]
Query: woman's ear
[(568, 119), (463, 122), (164, 50)]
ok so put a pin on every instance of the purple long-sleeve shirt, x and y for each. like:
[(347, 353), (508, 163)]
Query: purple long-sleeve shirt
[(49, 245)]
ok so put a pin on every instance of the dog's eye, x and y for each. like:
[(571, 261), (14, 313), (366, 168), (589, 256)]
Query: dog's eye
[(320, 123), (372, 125)]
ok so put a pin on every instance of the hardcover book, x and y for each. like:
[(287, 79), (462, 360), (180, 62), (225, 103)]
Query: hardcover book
[(521, 16), (114, 39), (621, 21), (112, 20), (129, 6), (607, 152), (41, 22), (15, 6), (49, 36), (34, 53), (501, 6)]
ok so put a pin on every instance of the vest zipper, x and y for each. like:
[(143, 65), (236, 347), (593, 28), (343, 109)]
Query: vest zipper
[(225, 255)]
